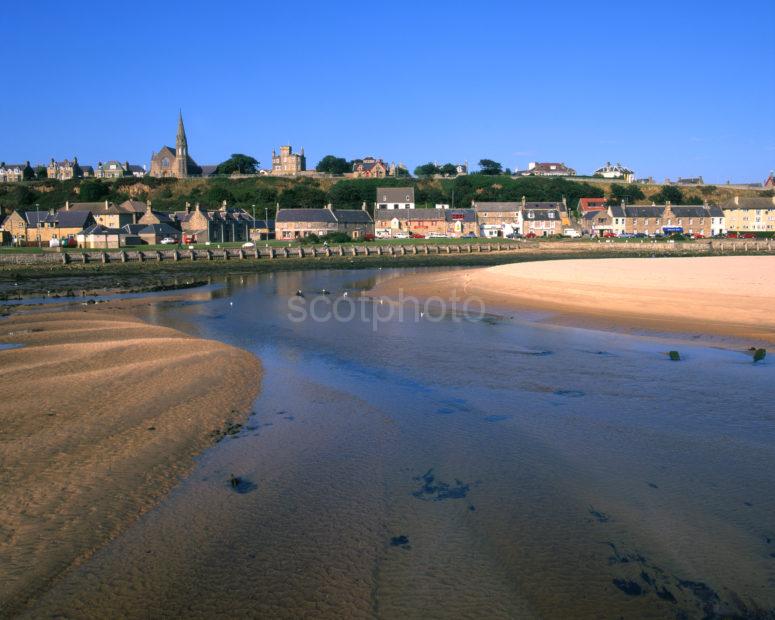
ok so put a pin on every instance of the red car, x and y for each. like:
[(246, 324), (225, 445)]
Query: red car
[(698, 236), (416, 236), (369, 237), (530, 235), (609, 234)]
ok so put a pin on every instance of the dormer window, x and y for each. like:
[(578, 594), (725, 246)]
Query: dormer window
[(551, 215), (531, 215)]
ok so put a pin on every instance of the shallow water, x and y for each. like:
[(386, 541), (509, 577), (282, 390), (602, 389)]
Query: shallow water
[(455, 467)]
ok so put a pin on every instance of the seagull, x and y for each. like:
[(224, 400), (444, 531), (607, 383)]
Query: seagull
[(345, 293), (231, 303), (299, 293)]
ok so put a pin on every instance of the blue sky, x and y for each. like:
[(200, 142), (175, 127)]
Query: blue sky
[(667, 88)]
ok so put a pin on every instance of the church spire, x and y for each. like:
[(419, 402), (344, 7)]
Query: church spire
[(181, 139)]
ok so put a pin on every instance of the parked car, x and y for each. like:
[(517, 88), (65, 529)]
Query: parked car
[(471, 235), (417, 236), (571, 232), (698, 236), (248, 244), (530, 235), (608, 234), (641, 235), (369, 237), (401, 235), (168, 241), (437, 235), (514, 235)]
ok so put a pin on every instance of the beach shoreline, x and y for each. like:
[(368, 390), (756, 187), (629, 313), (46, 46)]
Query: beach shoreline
[(728, 297), (102, 415)]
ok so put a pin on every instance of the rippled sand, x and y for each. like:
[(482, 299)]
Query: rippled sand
[(100, 416)]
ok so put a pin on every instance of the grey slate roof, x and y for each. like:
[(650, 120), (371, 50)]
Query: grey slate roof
[(352, 216), (689, 210), (99, 229), (468, 215), (323, 216), (159, 229), (546, 215), (750, 203), (73, 219), (644, 211), (35, 217), (395, 194), (498, 207)]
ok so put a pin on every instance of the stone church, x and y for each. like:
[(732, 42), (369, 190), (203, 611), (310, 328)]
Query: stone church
[(169, 162)]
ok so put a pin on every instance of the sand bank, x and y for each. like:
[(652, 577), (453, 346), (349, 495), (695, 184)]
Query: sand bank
[(730, 296), (100, 415)]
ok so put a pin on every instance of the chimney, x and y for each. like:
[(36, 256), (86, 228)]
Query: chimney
[(564, 202), (106, 205), (188, 207), (330, 207), (667, 203), (67, 205), (197, 208), (523, 201), (363, 206), (737, 200), (223, 206)]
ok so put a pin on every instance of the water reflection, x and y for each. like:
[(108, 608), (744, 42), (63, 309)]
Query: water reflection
[(492, 468)]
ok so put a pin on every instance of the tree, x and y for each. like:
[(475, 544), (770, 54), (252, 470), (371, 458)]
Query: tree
[(303, 196), (669, 193), (426, 170), (41, 172), (216, 195), (488, 166), (93, 191), (448, 170), (624, 193), (28, 174), (333, 165), (238, 164), (401, 171)]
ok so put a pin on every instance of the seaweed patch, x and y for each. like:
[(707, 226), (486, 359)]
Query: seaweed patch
[(438, 490)]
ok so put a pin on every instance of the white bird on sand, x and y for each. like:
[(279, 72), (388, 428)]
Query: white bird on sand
[(345, 293)]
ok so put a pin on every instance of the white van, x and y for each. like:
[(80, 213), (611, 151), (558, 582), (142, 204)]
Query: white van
[(571, 232)]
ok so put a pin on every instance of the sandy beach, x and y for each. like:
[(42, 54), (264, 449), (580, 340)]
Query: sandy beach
[(101, 414), (726, 296)]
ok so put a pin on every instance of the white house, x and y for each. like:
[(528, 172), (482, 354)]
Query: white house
[(615, 171), (395, 198)]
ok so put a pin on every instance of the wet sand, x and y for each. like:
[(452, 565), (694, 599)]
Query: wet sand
[(730, 296), (101, 415)]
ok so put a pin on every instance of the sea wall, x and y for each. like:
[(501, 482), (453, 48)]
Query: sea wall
[(633, 247)]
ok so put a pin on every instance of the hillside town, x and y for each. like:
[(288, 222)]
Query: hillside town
[(393, 214)]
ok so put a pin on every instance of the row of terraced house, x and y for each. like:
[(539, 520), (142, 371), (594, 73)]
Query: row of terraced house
[(109, 225), (740, 214)]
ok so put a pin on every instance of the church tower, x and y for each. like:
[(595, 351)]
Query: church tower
[(181, 150)]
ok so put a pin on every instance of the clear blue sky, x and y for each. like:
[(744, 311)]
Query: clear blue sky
[(667, 88)]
